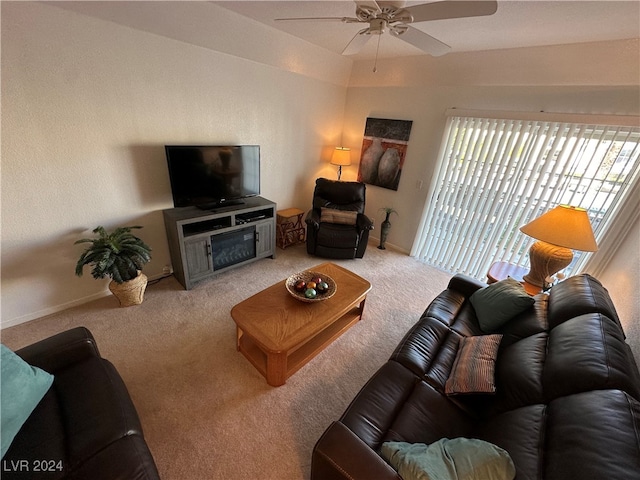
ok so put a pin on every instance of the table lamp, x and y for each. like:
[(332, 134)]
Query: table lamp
[(558, 231), (341, 157)]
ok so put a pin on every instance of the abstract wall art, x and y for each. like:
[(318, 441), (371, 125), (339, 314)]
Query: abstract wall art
[(384, 148)]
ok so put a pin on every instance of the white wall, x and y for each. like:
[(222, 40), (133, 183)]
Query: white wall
[(426, 106), (622, 279), (595, 64), (221, 30), (87, 106)]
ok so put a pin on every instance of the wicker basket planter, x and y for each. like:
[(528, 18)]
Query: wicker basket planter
[(119, 255), (131, 292)]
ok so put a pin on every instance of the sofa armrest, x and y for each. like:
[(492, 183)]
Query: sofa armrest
[(313, 218), (465, 284), (364, 222), (61, 350), (341, 455)]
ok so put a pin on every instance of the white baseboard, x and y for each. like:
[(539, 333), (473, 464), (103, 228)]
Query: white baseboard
[(51, 310), (376, 241), (12, 322)]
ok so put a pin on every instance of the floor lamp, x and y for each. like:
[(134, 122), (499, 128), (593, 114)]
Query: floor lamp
[(341, 157), (559, 231)]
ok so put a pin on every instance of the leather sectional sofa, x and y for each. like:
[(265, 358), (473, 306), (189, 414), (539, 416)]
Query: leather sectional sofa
[(567, 389), (86, 426)]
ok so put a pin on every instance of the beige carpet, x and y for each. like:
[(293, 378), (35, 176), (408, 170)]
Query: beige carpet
[(206, 412)]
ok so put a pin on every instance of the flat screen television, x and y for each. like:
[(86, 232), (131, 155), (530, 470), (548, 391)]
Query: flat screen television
[(210, 176)]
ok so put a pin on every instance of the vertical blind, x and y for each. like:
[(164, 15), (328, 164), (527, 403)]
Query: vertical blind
[(495, 175)]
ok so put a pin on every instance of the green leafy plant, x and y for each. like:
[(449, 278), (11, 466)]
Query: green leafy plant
[(388, 211), (118, 255)]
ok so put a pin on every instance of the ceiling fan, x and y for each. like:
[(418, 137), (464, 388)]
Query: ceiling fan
[(393, 17)]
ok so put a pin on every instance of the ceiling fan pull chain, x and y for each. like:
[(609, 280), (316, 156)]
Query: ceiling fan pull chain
[(375, 62)]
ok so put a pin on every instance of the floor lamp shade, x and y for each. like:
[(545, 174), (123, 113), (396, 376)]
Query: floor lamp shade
[(341, 157), (559, 231)]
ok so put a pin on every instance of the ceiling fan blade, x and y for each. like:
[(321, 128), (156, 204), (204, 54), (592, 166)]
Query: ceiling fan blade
[(320, 19), (423, 41), (370, 4), (356, 43), (452, 9)]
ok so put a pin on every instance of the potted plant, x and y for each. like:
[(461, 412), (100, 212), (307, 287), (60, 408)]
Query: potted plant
[(385, 226), (120, 256)]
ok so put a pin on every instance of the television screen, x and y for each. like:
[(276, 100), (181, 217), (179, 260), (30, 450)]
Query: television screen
[(210, 176)]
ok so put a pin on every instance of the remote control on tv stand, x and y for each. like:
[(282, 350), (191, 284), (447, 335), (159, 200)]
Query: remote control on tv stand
[(243, 220)]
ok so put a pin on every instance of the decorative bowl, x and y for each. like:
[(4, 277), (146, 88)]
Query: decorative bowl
[(307, 276)]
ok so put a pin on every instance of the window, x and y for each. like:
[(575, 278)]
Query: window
[(496, 174)]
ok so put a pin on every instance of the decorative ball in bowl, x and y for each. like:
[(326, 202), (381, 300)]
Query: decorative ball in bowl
[(311, 286)]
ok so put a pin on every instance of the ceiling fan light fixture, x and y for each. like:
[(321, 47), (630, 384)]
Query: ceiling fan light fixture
[(378, 26)]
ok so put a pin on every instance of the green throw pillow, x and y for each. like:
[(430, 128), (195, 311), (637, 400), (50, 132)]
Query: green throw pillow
[(23, 386), (499, 302), (449, 459)]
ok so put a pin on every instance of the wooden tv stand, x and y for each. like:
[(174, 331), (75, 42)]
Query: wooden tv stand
[(203, 243), (279, 334)]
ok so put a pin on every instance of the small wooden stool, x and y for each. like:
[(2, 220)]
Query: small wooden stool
[(289, 227)]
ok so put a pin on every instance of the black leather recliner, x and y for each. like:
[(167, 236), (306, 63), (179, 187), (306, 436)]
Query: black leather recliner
[(336, 240), (86, 426)]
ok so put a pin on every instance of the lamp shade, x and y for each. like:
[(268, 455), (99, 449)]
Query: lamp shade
[(341, 156), (564, 226)]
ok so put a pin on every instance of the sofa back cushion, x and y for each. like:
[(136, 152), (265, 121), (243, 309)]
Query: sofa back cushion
[(519, 373), (339, 195), (592, 435), (430, 346), (588, 352), (521, 432), (578, 295)]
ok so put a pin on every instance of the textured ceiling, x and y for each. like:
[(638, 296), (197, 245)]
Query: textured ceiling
[(517, 23)]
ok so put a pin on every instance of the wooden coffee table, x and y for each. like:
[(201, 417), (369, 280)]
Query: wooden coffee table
[(279, 334)]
